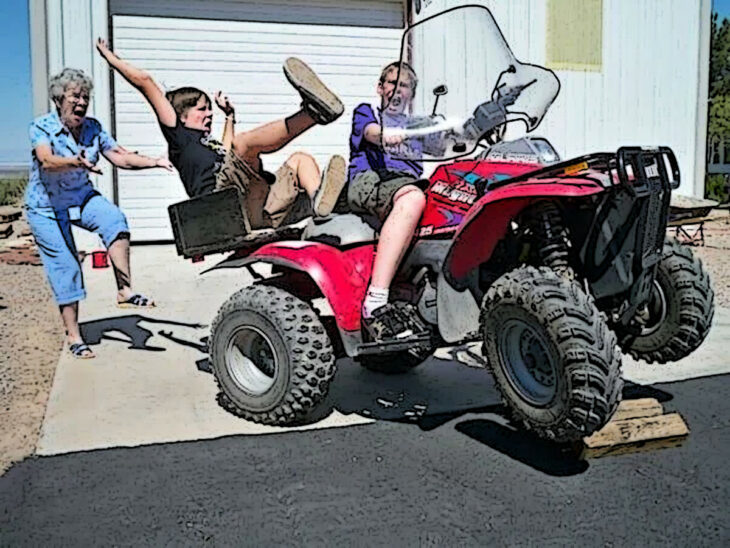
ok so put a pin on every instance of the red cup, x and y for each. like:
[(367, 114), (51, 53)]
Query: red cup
[(99, 259)]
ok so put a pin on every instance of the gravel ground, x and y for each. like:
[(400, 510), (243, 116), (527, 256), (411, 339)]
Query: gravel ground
[(32, 335), (715, 256)]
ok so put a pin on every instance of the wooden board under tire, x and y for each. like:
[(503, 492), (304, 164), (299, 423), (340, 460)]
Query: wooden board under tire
[(642, 407), (637, 425)]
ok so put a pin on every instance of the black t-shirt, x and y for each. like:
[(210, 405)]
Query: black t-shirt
[(197, 158)]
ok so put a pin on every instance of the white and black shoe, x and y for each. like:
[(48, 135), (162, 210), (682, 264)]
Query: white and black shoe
[(317, 99), (333, 181)]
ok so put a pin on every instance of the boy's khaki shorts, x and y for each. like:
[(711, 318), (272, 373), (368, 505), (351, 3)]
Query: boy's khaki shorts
[(269, 199), (369, 193)]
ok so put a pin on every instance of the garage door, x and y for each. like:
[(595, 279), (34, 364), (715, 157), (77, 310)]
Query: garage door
[(243, 58)]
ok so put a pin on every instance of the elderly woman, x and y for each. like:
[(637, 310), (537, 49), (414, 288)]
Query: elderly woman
[(66, 145)]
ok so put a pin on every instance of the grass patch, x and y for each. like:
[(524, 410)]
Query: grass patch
[(11, 190)]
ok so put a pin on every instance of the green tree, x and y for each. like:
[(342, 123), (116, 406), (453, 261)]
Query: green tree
[(719, 57), (718, 123)]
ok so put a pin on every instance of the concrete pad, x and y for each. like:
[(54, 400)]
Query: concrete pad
[(711, 358), (144, 385)]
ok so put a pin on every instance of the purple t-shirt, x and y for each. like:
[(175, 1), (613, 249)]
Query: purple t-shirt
[(366, 156)]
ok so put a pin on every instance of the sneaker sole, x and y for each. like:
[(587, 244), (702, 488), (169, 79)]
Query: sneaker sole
[(308, 83), (333, 181)]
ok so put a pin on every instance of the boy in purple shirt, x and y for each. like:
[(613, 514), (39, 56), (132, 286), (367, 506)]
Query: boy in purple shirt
[(387, 187)]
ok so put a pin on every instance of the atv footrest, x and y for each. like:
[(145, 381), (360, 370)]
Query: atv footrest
[(394, 345)]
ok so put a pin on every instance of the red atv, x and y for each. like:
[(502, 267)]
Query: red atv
[(556, 266)]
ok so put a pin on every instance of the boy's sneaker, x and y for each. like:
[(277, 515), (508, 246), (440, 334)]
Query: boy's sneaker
[(318, 101), (385, 324), (396, 320), (333, 181)]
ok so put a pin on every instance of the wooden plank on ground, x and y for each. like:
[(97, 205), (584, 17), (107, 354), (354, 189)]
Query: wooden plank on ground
[(636, 434), (641, 407)]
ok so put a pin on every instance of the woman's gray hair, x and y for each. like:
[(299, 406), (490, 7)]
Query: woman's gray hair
[(61, 81)]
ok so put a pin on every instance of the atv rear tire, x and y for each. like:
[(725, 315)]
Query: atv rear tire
[(680, 310), (553, 357), (271, 356)]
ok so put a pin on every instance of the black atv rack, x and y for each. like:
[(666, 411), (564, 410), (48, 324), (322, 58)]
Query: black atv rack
[(634, 167), (626, 236)]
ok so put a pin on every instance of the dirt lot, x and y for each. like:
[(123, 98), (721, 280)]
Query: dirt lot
[(715, 255), (32, 336), (31, 340)]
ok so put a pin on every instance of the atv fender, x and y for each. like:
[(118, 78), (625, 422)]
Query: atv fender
[(487, 221), (341, 276)]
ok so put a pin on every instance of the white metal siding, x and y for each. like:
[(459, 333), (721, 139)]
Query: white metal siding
[(244, 60), (647, 92), (365, 13)]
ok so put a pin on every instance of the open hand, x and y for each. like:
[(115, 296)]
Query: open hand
[(224, 103), (84, 162), (103, 48), (164, 163)]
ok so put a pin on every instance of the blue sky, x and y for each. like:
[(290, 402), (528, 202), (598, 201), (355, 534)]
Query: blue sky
[(15, 94), (722, 7), (15, 100)]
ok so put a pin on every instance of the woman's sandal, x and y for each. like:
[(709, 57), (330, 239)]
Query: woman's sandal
[(136, 301), (81, 351)]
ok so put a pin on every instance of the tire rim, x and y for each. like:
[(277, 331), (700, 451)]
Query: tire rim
[(655, 312), (251, 360), (530, 368)]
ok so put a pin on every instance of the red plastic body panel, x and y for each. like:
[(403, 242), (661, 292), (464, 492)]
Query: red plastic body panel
[(488, 220), (452, 192), (342, 276)]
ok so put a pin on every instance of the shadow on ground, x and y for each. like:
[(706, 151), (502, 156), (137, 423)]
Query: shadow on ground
[(440, 390), (129, 326)]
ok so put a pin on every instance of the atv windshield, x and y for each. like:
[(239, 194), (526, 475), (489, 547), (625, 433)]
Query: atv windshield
[(461, 85)]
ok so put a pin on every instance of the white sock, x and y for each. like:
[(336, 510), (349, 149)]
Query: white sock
[(374, 299)]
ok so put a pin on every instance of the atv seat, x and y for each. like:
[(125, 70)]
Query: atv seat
[(340, 229)]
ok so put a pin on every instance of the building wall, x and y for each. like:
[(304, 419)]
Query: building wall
[(72, 27), (650, 88)]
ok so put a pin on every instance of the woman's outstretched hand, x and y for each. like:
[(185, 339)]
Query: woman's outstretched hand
[(164, 163), (84, 162)]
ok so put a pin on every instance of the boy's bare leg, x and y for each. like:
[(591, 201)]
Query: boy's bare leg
[(307, 171), (271, 136), (396, 233)]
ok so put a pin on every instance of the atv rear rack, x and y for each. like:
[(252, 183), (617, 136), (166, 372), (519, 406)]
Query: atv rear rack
[(637, 168)]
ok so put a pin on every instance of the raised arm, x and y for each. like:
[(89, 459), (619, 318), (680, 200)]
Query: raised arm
[(227, 107), (143, 82)]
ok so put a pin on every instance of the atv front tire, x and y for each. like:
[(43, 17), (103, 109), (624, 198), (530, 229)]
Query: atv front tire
[(271, 356), (680, 310), (553, 358)]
